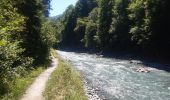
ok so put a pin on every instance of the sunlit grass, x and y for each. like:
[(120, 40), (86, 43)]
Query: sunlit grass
[(65, 83), (21, 84)]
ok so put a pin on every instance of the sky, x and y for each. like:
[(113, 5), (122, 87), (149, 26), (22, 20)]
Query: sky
[(59, 6)]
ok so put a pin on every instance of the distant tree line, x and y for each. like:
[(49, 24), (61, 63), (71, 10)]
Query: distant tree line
[(25, 38), (116, 25)]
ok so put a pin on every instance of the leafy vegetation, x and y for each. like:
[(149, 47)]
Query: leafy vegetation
[(117, 25), (21, 84), (25, 39), (65, 83)]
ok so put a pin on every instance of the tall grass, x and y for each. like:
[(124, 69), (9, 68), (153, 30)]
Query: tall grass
[(21, 84), (65, 83)]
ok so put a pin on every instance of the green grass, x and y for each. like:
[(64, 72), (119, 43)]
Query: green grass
[(22, 83), (65, 83)]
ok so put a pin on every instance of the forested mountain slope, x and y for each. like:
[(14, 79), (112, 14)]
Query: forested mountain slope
[(117, 25)]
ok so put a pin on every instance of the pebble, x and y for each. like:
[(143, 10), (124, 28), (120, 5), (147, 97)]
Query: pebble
[(90, 92)]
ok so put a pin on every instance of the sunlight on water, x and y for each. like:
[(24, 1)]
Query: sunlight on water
[(117, 80)]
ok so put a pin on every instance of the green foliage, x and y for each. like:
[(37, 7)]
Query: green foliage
[(105, 19), (69, 23), (149, 28), (80, 29), (35, 11), (117, 24), (120, 25), (48, 34), (91, 38), (83, 7), (46, 7), (140, 14), (11, 59), (22, 83), (90, 34), (47, 37), (72, 23), (21, 40)]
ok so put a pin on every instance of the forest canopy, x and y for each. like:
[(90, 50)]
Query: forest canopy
[(140, 25)]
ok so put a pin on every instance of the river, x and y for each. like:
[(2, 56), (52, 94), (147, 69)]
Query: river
[(116, 79)]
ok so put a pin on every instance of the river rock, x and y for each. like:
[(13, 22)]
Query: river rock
[(90, 93), (97, 89), (168, 88), (130, 61), (142, 70)]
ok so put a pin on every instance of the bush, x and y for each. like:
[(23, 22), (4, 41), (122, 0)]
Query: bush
[(11, 59)]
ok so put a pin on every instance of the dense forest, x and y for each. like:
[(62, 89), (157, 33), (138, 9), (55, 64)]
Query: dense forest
[(137, 25), (25, 38)]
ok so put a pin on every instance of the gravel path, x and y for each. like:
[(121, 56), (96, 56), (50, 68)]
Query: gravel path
[(34, 92)]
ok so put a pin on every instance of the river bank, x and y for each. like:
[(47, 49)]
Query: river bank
[(147, 60)]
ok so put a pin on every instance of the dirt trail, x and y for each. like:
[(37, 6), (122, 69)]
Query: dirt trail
[(34, 92)]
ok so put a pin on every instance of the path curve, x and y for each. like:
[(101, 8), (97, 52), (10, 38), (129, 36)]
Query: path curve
[(35, 91)]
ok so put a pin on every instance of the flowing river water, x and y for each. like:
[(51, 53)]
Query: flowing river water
[(116, 79)]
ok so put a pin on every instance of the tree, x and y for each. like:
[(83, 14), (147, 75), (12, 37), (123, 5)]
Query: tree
[(80, 30), (34, 11), (140, 15), (83, 7), (105, 19), (117, 24), (69, 22), (46, 7), (119, 29), (90, 38), (150, 20), (48, 37), (21, 39), (11, 59)]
